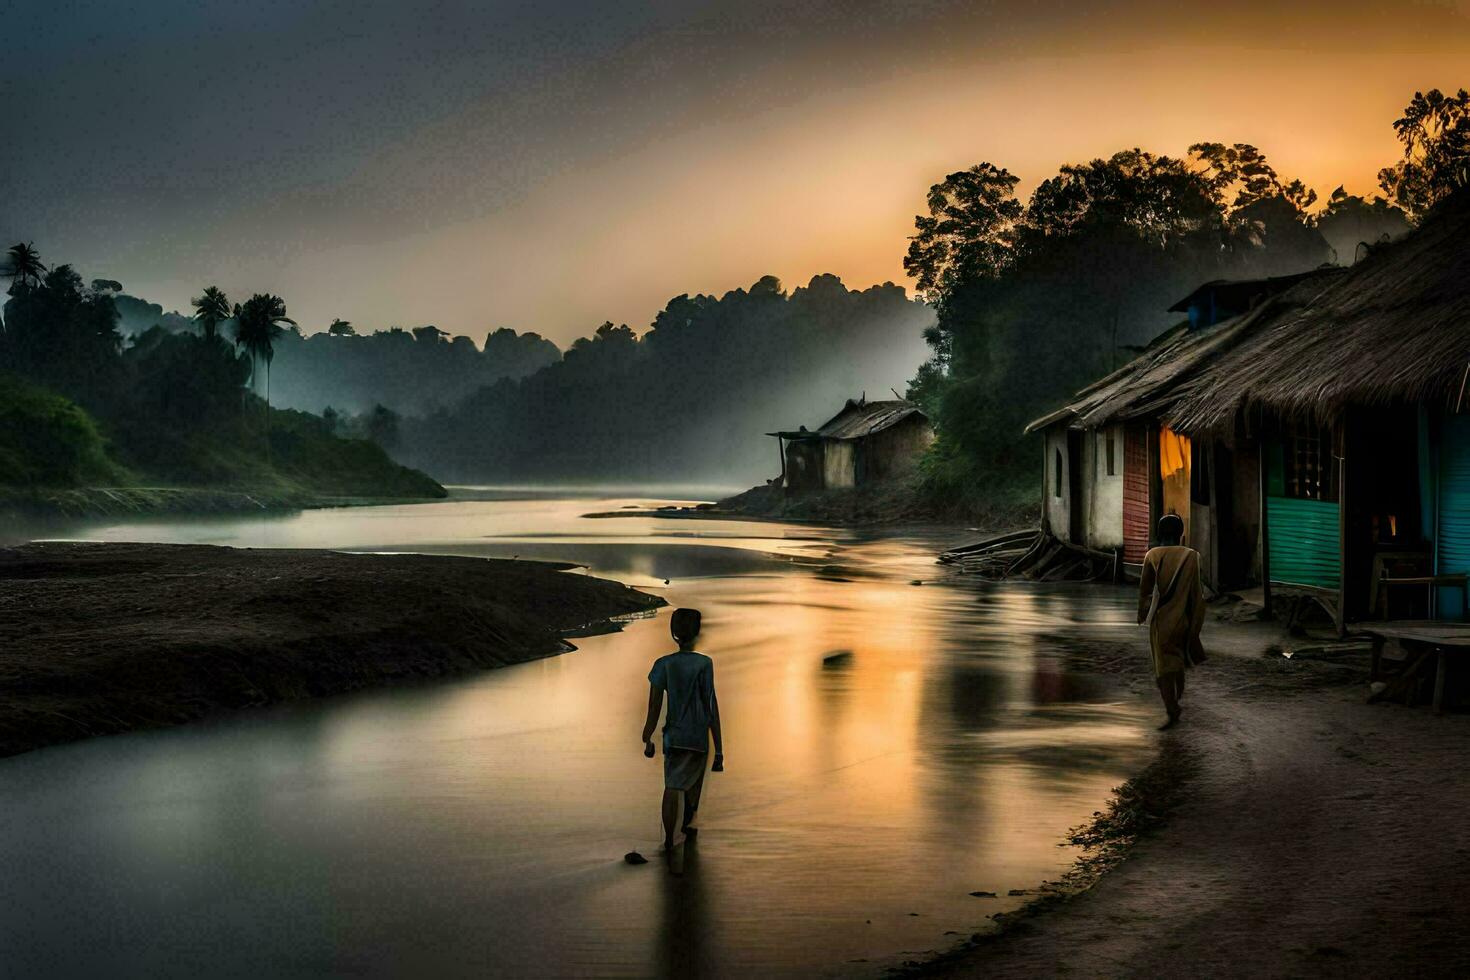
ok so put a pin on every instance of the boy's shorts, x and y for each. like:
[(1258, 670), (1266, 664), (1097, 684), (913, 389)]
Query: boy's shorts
[(684, 768)]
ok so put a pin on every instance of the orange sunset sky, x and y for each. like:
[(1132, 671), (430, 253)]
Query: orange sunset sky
[(549, 168)]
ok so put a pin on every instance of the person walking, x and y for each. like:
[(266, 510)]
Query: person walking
[(688, 678), (1171, 600)]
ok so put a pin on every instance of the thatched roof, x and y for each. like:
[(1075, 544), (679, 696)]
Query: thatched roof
[(858, 419), (1238, 294), (1149, 382), (1395, 328)]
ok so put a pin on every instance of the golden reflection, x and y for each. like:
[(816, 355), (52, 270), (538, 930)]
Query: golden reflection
[(890, 748)]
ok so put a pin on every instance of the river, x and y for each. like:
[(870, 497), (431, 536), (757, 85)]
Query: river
[(891, 747)]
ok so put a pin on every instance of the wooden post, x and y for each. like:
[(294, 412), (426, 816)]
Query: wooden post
[(1265, 544), (781, 448), (1212, 509), (1442, 654), (1155, 483)]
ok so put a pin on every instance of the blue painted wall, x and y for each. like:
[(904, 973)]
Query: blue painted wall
[(1452, 549)]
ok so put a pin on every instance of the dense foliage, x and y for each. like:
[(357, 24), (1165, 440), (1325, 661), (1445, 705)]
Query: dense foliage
[(81, 405), (692, 397), (413, 371), (1435, 132), (1023, 301), (46, 440), (416, 371), (1037, 300)]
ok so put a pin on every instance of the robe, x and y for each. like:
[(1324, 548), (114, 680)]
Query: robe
[(1179, 614)]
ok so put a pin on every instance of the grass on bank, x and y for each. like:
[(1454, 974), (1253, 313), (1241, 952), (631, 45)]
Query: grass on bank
[(48, 442)]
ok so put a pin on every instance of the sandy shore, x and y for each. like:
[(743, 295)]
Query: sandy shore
[(103, 638), (1314, 835)]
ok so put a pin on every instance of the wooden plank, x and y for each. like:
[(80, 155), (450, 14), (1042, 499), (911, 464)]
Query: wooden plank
[(1439, 634), (1136, 528)]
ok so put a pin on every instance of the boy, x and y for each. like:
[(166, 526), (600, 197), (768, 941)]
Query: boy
[(1172, 572), (693, 716)]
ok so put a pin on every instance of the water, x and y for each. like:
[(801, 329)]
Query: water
[(890, 748)]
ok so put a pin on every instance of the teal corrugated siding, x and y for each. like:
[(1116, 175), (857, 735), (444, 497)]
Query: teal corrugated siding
[(1304, 542), (1454, 509)]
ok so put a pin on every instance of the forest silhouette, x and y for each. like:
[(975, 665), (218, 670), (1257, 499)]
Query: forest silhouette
[(80, 404), (1019, 303)]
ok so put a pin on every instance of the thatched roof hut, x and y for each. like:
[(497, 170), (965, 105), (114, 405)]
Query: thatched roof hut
[(866, 442), (1149, 383), (1393, 329), (1127, 392)]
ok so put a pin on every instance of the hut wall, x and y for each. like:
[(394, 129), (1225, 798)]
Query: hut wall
[(839, 464), (804, 465), (1082, 456), (1240, 532), (1055, 505), (1304, 542), (895, 451), (1453, 550), (1304, 532), (1105, 488), (1137, 479), (1204, 506)]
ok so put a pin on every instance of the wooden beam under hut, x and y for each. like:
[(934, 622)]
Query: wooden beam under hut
[(1034, 554), (993, 557)]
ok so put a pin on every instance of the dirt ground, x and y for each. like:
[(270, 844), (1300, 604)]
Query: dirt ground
[(1317, 836), (104, 638)]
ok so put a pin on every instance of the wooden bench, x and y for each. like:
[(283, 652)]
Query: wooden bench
[(1427, 582), (1439, 640)]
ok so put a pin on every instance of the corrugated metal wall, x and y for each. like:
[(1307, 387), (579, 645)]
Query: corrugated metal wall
[(1304, 542), (1454, 509), (1135, 494)]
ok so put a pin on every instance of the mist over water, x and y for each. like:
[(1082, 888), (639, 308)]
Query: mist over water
[(890, 748), (687, 400)]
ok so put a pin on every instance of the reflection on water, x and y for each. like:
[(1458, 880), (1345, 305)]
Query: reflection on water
[(891, 748)]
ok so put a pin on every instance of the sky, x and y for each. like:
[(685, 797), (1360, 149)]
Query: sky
[(550, 165)]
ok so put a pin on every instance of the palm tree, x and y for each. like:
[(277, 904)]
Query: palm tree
[(210, 309), (342, 328), (257, 325), (25, 266)]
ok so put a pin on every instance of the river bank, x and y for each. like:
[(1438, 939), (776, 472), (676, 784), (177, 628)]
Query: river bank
[(1286, 828), (889, 505), (120, 503), (103, 638)]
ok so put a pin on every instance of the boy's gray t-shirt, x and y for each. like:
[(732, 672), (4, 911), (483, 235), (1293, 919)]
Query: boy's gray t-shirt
[(688, 678)]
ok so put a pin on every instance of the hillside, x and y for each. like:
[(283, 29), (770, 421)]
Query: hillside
[(51, 449)]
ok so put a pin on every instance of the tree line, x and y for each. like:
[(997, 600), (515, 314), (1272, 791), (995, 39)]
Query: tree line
[(83, 403), (1038, 298), (412, 372), (690, 399), (1021, 302)]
